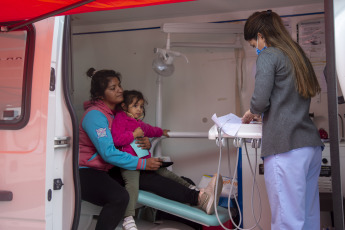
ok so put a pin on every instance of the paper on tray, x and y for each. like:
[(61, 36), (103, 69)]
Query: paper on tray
[(229, 123)]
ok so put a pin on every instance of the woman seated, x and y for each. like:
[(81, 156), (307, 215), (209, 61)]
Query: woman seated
[(99, 160)]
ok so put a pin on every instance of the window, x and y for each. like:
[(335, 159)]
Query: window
[(16, 60)]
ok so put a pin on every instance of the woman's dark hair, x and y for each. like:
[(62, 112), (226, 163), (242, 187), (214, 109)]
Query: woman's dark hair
[(99, 81), (130, 96), (271, 27)]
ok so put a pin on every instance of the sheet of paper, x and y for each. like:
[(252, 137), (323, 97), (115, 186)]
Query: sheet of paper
[(229, 123), (139, 151)]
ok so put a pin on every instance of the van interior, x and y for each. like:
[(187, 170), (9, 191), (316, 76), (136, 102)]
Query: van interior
[(211, 71)]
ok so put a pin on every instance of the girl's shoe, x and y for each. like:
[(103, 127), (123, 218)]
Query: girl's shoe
[(129, 223)]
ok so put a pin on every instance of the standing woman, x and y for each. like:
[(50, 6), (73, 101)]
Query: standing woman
[(291, 146)]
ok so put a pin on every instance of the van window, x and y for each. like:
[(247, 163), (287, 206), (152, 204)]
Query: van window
[(15, 77)]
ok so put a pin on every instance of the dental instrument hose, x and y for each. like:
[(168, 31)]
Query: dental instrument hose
[(231, 188)]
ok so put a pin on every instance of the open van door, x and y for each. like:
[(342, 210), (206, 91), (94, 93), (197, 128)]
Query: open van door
[(37, 188)]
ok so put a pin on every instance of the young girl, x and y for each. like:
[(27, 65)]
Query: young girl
[(126, 127)]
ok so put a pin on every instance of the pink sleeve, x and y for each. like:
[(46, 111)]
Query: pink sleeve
[(151, 131)]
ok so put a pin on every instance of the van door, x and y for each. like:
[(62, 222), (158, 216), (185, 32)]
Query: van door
[(36, 157)]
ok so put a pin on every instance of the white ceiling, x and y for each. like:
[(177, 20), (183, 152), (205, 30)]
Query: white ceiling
[(199, 7)]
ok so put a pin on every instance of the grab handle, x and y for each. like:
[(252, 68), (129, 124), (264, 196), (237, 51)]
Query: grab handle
[(6, 195)]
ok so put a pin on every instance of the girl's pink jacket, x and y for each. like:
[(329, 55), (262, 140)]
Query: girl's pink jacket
[(122, 131)]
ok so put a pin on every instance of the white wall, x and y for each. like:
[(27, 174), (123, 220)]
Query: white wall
[(194, 92)]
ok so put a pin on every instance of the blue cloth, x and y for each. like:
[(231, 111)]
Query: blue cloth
[(223, 202)]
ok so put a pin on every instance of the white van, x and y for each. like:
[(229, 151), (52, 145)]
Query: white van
[(39, 184)]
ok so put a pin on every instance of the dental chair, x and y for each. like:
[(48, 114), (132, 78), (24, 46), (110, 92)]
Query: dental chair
[(148, 199)]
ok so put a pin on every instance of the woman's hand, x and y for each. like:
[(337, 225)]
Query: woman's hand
[(153, 163), (143, 142), (257, 118), (165, 132), (248, 117)]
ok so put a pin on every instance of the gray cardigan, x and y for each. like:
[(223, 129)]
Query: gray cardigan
[(286, 122)]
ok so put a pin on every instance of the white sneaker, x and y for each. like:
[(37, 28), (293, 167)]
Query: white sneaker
[(206, 201), (129, 223)]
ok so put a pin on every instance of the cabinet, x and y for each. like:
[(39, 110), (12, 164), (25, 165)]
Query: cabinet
[(325, 185)]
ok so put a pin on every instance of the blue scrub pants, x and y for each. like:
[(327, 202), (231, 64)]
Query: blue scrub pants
[(291, 180)]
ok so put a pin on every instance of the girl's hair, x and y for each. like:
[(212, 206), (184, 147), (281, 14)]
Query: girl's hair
[(130, 96), (99, 81), (271, 26)]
